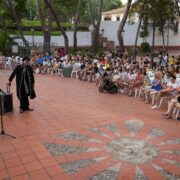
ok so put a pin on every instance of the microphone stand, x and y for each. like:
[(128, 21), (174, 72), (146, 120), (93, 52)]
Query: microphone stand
[(1, 106)]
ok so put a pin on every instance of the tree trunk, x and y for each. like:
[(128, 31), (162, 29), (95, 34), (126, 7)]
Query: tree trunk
[(66, 41), (47, 37), (163, 39), (45, 28), (168, 37), (153, 41), (121, 26), (76, 23), (177, 6), (96, 26), (137, 35), (19, 27)]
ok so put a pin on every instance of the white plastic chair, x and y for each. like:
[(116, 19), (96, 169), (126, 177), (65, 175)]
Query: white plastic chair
[(60, 72), (163, 98), (138, 92), (177, 110), (153, 94), (177, 113), (75, 70)]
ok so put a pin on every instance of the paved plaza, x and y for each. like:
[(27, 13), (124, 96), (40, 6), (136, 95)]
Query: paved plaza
[(77, 133)]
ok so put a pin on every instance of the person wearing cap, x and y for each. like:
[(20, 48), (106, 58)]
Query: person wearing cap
[(24, 84)]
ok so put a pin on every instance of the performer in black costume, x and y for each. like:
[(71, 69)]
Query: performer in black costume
[(24, 84)]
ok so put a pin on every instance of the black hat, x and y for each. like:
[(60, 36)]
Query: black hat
[(26, 58)]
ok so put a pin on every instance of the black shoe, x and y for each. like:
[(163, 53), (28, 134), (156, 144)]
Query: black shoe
[(21, 110), (178, 118), (30, 109)]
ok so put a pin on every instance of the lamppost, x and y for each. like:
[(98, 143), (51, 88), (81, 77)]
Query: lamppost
[(32, 30)]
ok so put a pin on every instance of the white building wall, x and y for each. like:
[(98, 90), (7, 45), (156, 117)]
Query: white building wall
[(111, 27), (83, 39), (110, 31)]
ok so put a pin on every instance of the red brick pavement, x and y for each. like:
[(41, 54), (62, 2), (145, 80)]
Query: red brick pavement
[(66, 105)]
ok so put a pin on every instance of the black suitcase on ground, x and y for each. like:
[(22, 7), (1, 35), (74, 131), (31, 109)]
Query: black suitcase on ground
[(6, 100)]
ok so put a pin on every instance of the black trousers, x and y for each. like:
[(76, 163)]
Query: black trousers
[(24, 101)]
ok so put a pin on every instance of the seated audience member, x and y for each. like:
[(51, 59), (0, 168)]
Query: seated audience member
[(116, 74), (155, 86), (170, 90), (76, 67), (172, 61), (82, 67), (49, 66), (39, 63), (137, 83), (173, 103), (126, 54), (33, 62), (141, 63), (107, 63), (47, 56), (45, 66), (99, 74), (177, 74), (166, 77), (55, 67), (61, 52), (93, 72), (146, 60), (166, 58), (87, 70), (131, 77)]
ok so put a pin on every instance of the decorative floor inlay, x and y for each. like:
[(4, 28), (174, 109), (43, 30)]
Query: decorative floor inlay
[(125, 150), (175, 152), (134, 125), (155, 133), (173, 162), (75, 136), (105, 175), (111, 173), (132, 150), (113, 128), (173, 141), (140, 175), (60, 149), (167, 174), (72, 167)]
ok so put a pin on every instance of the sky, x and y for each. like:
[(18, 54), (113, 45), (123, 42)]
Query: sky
[(124, 1)]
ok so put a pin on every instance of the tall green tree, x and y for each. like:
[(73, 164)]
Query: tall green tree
[(3, 40), (177, 7), (137, 7), (95, 23), (15, 7), (31, 9), (66, 40), (122, 24), (64, 9), (107, 5), (158, 14), (46, 27), (76, 20)]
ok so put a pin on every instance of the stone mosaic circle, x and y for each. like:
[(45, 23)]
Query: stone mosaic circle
[(115, 148)]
